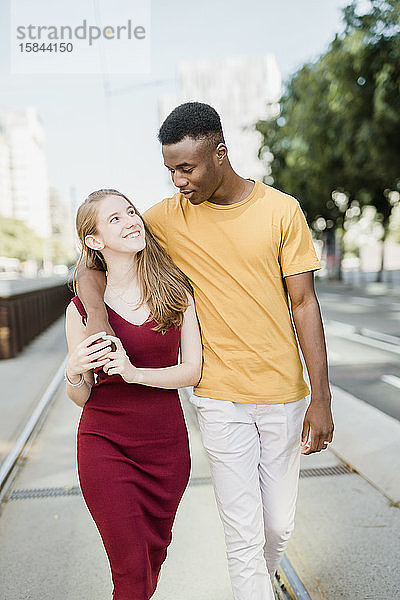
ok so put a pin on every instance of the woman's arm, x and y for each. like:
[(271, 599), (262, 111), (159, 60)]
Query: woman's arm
[(82, 356), (186, 373), (91, 285)]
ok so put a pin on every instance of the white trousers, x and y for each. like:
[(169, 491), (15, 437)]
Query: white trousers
[(254, 454)]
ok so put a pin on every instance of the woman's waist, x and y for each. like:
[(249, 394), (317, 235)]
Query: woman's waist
[(110, 409), (120, 390)]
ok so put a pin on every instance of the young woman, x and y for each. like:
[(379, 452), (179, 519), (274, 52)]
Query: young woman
[(132, 446)]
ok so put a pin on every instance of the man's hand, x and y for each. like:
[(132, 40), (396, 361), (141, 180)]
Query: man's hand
[(89, 354), (317, 427), (119, 363)]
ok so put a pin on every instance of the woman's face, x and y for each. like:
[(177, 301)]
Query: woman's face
[(119, 228)]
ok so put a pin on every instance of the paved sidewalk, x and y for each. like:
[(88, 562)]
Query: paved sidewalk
[(346, 540), (25, 378)]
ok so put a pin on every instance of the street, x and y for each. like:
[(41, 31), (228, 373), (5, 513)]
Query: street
[(358, 367)]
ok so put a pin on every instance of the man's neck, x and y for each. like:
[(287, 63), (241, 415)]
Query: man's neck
[(232, 190)]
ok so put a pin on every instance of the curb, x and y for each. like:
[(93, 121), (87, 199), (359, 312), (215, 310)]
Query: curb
[(368, 441)]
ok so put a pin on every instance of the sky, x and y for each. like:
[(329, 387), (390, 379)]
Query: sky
[(96, 141)]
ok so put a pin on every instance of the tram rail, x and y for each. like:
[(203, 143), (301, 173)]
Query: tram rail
[(11, 463)]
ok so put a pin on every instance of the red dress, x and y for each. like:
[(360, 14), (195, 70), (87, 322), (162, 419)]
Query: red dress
[(133, 459)]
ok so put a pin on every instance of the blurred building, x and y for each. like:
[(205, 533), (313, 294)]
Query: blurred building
[(62, 228), (242, 90), (24, 188)]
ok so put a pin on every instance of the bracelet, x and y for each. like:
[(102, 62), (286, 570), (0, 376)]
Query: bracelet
[(80, 382)]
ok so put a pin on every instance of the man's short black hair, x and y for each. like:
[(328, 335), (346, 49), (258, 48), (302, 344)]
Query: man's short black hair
[(192, 119)]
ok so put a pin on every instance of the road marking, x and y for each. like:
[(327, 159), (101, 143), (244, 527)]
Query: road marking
[(334, 356), (391, 380), (362, 301), (330, 296), (349, 332), (341, 327), (377, 335)]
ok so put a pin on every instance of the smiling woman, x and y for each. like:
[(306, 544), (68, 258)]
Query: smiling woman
[(132, 446), (115, 240)]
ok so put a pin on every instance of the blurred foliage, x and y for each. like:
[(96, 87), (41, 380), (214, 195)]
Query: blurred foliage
[(336, 142), (60, 253), (17, 240)]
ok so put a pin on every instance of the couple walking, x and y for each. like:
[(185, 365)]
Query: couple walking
[(234, 251)]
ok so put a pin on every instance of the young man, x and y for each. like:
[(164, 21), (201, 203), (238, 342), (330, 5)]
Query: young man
[(246, 249)]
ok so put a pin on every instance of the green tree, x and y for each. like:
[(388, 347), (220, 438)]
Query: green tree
[(378, 63), (60, 253), (339, 126), (17, 240)]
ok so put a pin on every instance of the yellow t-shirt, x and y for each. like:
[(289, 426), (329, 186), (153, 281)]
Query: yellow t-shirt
[(236, 257)]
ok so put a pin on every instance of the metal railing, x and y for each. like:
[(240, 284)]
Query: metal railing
[(25, 314)]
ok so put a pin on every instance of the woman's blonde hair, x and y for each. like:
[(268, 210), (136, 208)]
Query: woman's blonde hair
[(164, 287)]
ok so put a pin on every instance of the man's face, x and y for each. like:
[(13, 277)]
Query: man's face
[(194, 167)]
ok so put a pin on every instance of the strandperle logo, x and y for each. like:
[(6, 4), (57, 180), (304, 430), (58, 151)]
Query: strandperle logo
[(91, 33), (91, 36)]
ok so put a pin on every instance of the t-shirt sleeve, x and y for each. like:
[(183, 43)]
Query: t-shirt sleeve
[(297, 252), (155, 219)]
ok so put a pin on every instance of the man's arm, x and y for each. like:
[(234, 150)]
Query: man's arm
[(91, 285), (318, 421)]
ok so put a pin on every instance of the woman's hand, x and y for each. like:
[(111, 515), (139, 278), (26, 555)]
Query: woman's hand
[(88, 355), (119, 363)]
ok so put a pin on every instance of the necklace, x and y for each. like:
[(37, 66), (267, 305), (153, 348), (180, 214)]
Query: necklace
[(132, 305)]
